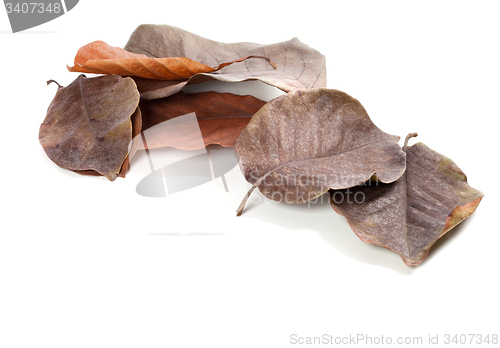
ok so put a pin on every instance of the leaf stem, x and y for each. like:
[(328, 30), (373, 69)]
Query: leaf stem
[(408, 137), (50, 81), (244, 201)]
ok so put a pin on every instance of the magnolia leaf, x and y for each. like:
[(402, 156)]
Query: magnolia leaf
[(220, 116), (100, 58), (300, 145), (88, 125), (298, 65), (411, 214)]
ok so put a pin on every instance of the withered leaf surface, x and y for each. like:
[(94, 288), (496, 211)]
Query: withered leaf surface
[(133, 147), (411, 214), (299, 145), (220, 116), (88, 125), (156, 89), (299, 66), (100, 58)]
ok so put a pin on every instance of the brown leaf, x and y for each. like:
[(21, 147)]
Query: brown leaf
[(100, 58), (220, 117), (88, 125), (136, 119), (136, 130), (301, 144), (156, 89), (411, 214), (298, 65)]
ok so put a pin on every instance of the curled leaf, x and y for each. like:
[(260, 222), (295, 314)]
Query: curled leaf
[(100, 58), (300, 145), (220, 118), (298, 65), (88, 125), (411, 214)]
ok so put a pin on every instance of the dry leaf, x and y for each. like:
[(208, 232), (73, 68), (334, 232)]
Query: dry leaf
[(100, 58), (88, 125), (410, 215), (136, 119), (220, 116), (299, 66), (299, 145), (157, 89)]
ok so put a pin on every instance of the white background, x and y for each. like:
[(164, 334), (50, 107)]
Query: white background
[(85, 262)]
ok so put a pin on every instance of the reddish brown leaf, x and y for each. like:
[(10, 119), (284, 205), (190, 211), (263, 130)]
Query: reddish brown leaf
[(100, 58), (303, 143), (220, 116), (88, 126), (411, 214), (298, 65)]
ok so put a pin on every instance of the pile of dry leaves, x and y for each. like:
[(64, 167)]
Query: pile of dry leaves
[(293, 149)]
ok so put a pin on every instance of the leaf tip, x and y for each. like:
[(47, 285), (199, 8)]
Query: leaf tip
[(459, 214)]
